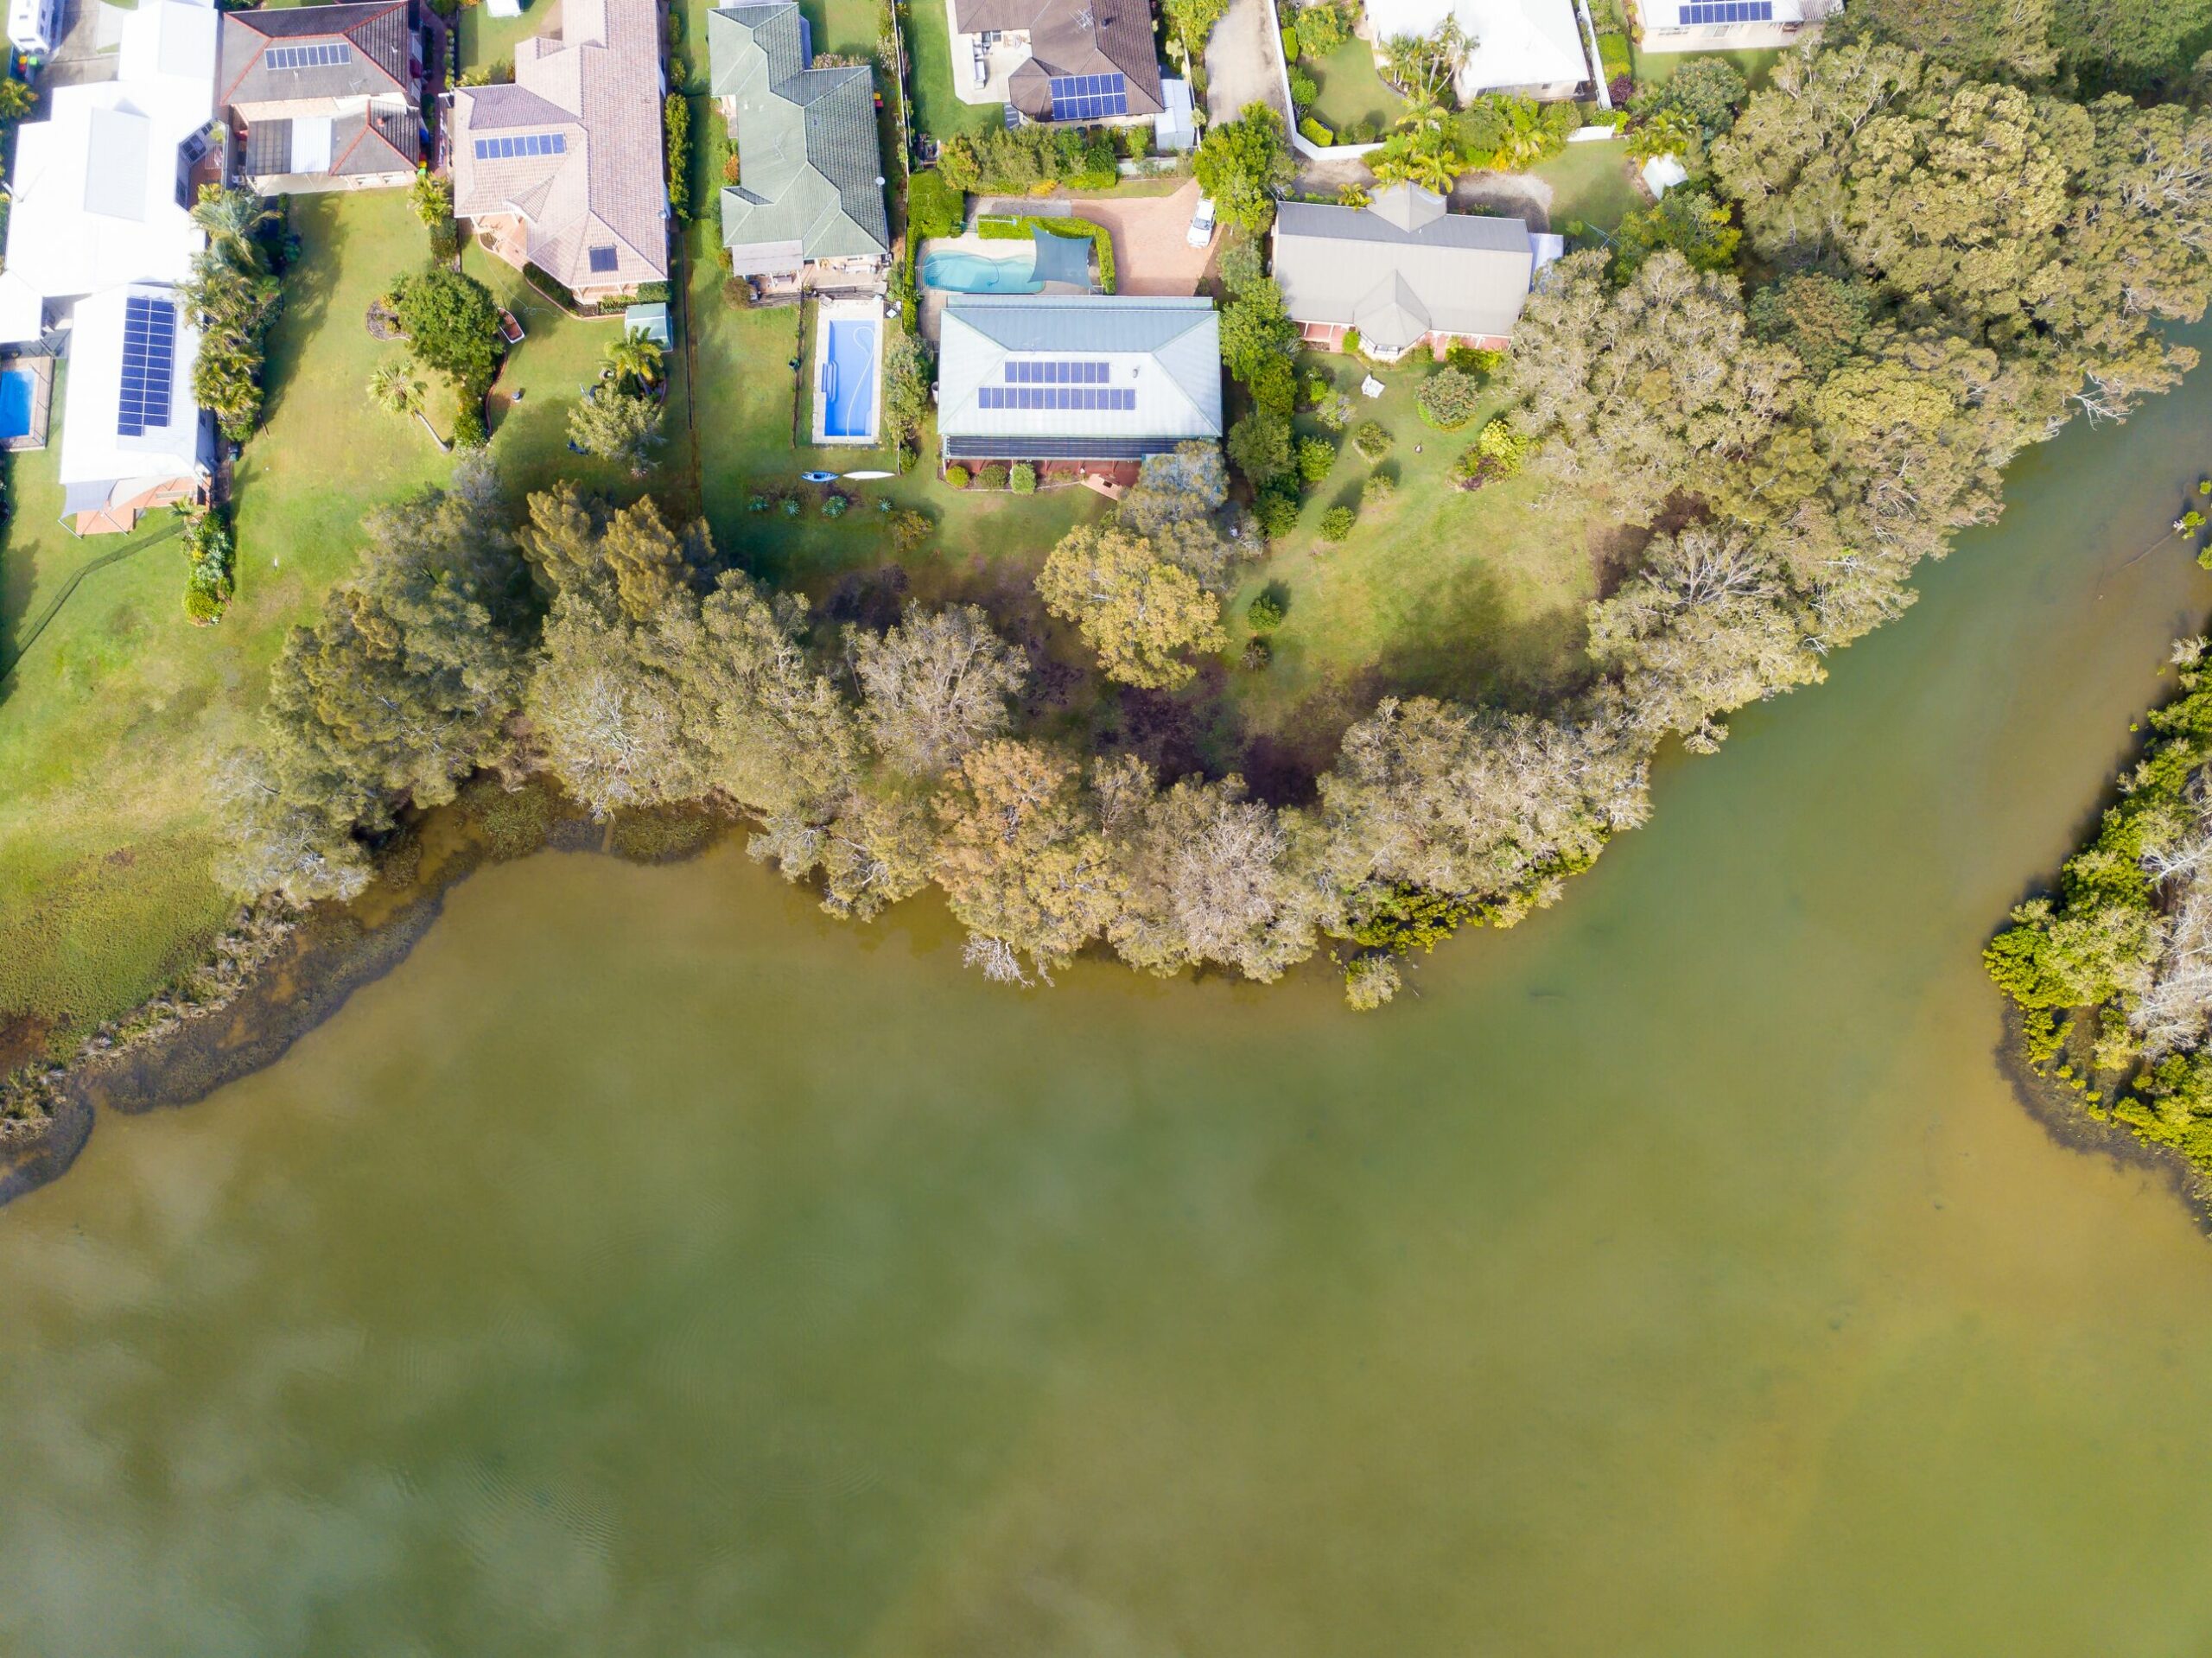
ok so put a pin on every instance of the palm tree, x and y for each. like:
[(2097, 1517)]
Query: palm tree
[(636, 356), (231, 218), (394, 389)]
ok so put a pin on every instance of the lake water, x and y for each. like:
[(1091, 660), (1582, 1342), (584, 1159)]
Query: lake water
[(651, 1266)]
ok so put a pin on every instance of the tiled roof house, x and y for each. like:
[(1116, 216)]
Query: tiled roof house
[(1088, 60), (809, 205), (563, 169), (324, 97)]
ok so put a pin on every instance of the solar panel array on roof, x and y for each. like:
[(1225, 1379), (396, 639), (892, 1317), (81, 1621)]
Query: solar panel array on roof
[(148, 363), (1728, 11), (1089, 98), (526, 144), (602, 259), (1124, 398), (321, 55), (1071, 372)]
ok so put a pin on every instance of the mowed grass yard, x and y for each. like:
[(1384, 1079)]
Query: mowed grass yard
[(1472, 596), (1348, 88)]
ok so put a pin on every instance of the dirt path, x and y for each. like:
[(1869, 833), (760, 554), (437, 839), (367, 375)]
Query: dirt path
[(1239, 67)]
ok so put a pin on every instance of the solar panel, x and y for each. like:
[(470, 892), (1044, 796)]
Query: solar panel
[(1728, 11), (522, 143), (321, 55), (602, 260), (1077, 398), (149, 363), (1073, 372), (1089, 98)]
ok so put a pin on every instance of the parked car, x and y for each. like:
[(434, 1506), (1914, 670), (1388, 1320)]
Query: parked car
[(1202, 224)]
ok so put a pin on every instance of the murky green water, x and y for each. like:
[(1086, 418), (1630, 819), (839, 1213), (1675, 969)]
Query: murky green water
[(649, 1267)]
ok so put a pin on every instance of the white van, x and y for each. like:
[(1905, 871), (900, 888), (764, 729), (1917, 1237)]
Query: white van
[(34, 25)]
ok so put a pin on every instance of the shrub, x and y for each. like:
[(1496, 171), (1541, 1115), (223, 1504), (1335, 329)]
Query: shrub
[(676, 132), (835, 507), (1447, 398), (1507, 449), (1303, 92), (1275, 385), (1335, 413), (469, 431), (1371, 441), (204, 606), (1260, 447), (1277, 512), (431, 197), (1351, 347), (451, 323), (1377, 490), (1268, 608), (1320, 29), (1290, 46), (1315, 133), (737, 291), (757, 503), (1316, 456), (957, 475), (934, 207), (1022, 480), (1473, 359), (1258, 653), (1336, 523), (992, 476), (445, 240), (1317, 389)]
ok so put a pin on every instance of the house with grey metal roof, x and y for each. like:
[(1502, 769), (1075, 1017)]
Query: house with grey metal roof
[(807, 210), (563, 169), (326, 97), (1080, 377), (1403, 271)]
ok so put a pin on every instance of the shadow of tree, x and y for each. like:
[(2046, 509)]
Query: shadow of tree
[(308, 282)]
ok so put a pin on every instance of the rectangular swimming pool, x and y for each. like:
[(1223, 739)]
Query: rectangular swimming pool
[(848, 381), (17, 386)]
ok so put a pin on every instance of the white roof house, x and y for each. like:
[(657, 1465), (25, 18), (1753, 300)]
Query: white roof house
[(1728, 25), (99, 187), (1040, 376), (132, 438), (1533, 45)]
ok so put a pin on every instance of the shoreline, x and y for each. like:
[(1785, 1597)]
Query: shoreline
[(2058, 1111), (329, 953)]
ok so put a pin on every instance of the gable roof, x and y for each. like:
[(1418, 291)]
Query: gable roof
[(809, 169), (598, 86), (377, 60), (1165, 351), (1073, 37), (1401, 267)]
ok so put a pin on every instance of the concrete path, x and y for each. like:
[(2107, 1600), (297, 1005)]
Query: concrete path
[(1240, 66)]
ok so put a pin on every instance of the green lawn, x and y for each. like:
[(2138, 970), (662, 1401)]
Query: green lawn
[(480, 39), (937, 108), (1595, 183), (1456, 594), (114, 719), (1350, 90), (745, 431), (1650, 68)]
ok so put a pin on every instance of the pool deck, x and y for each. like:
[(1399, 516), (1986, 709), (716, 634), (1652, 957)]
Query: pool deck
[(40, 369), (846, 310), (993, 249)]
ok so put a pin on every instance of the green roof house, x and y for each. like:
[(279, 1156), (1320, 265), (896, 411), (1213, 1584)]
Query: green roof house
[(807, 210)]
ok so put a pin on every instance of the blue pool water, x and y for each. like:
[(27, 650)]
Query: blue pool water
[(15, 387), (971, 273), (848, 394)]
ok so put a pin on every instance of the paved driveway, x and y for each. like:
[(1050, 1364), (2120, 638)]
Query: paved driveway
[(1240, 64), (1152, 254)]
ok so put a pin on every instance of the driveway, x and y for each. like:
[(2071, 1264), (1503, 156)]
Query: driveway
[(1152, 254), (1241, 61)]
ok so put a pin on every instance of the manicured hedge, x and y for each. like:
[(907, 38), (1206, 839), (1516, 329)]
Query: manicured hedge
[(1314, 132)]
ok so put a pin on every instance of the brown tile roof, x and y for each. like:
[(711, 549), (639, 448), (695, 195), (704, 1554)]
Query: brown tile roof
[(599, 85), (1073, 37)]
